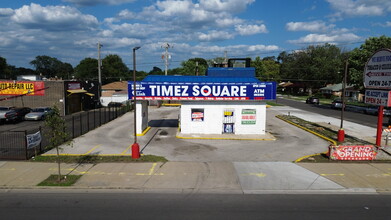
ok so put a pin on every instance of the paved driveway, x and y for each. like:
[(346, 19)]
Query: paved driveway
[(116, 138)]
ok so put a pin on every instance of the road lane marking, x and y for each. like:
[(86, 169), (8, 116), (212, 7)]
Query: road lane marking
[(128, 148), (332, 174), (151, 172), (379, 175), (92, 149), (7, 169), (69, 169), (255, 174)]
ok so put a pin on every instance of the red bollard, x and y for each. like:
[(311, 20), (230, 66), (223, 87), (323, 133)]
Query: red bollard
[(341, 135), (135, 151)]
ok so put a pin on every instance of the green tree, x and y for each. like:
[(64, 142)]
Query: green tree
[(15, 72), (114, 69), (64, 70), (45, 65), (314, 66), (359, 56), (156, 71), (271, 70), (3, 68), (189, 67), (259, 69), (56, 133), (87, 69)]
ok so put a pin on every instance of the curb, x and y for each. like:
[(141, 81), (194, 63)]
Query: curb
[(38, 189), (145, 131), (238, 139)]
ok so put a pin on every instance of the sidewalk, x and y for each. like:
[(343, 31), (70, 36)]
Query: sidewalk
[(215, 177), (207, 177)]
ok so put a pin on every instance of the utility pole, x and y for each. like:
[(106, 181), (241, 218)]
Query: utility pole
[(99, 72), (166, 55), (99, 64), (225, 59), (197, 70)]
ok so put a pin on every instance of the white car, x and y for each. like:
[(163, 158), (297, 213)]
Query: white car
[(38, 114)]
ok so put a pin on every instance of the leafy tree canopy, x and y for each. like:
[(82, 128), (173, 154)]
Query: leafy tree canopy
[(156, 71), (51, 67), (114, 69), (87, 69), (314, 66), (194, 65)]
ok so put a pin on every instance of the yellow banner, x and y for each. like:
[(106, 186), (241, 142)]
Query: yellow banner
[(20, 88)]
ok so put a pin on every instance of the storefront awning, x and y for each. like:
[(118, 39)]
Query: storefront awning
[(90, 94), (77, 91)]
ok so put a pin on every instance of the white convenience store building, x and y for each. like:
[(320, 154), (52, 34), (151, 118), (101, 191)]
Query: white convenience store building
[(231, 104)]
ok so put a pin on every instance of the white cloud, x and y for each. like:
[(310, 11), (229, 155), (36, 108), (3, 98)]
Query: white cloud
[(233, 50), (193, 16), (360, 7), (388, 24), (5, 41), (228, 21), (53, 18), (5, 12), (215, 36), (262, 48), (250, 29), (313, 26), (325, 38), (97, 2), (126, 14), (192, 26), (232, 6)]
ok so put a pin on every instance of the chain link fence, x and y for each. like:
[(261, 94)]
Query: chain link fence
[(15, 145)]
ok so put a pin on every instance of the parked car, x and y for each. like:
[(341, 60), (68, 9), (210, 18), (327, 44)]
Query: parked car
[(337, 104), (38, 114), (115, 104), (374, 111), (7, 114), (312, 100), (21, 112)]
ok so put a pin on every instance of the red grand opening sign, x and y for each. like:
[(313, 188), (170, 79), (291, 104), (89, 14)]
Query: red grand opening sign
[(365, 152)]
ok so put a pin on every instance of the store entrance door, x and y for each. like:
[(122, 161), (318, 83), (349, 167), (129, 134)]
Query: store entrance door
[(228, 121)]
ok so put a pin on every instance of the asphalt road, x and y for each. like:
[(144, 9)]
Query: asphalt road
[(122, 205), (356, 117)]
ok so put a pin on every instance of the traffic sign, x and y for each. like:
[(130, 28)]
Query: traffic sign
[(377, 73), (378, 97)]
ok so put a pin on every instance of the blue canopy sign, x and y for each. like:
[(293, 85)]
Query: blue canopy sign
[(203, 91)]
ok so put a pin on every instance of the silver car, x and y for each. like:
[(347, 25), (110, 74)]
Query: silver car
[(38, 114)]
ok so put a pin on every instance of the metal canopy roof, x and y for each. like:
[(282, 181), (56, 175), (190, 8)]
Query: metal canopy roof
[(200, 79)]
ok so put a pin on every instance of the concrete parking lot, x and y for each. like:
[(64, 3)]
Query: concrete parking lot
[(116, 138)]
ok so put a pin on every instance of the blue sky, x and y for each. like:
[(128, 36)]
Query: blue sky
[(70, 29)]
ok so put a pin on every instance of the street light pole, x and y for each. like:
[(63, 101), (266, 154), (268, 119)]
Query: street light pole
[(135, 145)]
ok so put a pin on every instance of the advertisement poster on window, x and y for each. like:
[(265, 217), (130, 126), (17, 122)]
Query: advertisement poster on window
[(197, 114), (249, 116)]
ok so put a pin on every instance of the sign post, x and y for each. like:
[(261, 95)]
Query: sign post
[(377, 75)]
